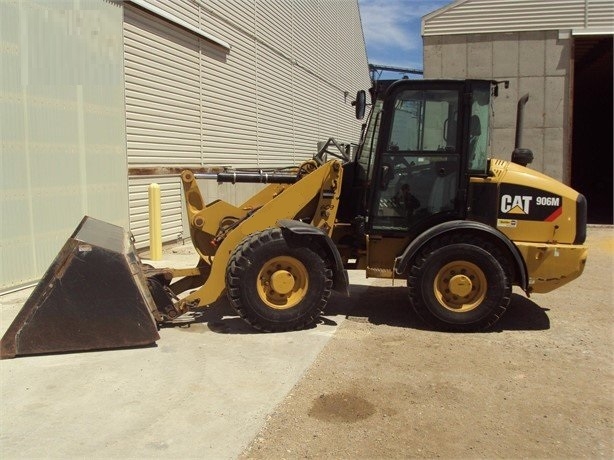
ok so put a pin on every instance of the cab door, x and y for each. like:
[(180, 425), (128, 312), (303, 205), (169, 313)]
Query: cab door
[(417, 180)]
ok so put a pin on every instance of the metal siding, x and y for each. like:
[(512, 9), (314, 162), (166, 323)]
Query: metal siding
[(489, 16), (280, 89), (265, 103), (230, 135), (163, 110), (185, 10), (275, 114), (305, 83), (238, 15), (61, 119), (274, 24), (305, 42), (306, 125), (162, 91), (330, 111), (274, 82), (171, 208), (600, 14)]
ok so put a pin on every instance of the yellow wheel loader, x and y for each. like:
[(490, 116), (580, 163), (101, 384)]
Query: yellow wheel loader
[(419, 199)]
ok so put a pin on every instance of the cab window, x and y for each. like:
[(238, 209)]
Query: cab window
[(424, 121), (414, 187), (419, 170), (479, 130), (367, 154)]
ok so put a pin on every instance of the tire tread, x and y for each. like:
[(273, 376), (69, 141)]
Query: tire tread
[(416, 272), (240, 260)]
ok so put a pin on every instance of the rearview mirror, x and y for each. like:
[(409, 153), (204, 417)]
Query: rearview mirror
[(360, 103)]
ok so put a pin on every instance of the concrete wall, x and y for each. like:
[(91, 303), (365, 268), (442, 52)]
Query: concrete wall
[(537, 63)]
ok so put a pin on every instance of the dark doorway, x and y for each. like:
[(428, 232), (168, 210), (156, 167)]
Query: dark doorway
[(592, 149)]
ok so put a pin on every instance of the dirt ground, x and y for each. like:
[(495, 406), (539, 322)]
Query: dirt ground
[(539, 385)]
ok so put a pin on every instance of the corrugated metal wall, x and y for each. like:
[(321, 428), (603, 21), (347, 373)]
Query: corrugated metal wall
[(171, 204), (286, 83), (62, 134), (489, 16), (283, 80)]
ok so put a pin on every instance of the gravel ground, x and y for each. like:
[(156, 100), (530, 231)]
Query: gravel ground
[(538, 385)]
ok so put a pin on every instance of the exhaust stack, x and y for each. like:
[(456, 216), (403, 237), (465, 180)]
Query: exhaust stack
[(521, 156)]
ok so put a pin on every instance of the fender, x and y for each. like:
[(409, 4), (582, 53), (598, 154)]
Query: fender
[(302, 229), (403, 260)]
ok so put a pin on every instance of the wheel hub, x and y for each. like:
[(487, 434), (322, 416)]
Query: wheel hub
[(460, 286), (282, 281)]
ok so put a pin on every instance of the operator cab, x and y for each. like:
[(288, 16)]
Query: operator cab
[(421, 143)]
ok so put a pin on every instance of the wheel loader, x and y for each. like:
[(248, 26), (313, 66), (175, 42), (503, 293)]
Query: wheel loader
[(420, 198)]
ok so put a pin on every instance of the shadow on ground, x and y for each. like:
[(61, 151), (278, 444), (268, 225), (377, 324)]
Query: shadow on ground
[(376, 305), (390, 306)]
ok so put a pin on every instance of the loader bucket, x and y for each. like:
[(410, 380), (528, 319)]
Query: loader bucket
[(93, 296)]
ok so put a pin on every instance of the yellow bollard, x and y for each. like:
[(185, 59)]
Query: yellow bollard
[(155, 222)]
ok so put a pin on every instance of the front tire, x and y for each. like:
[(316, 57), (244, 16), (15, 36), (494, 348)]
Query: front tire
[(277, 285), (457, 286)]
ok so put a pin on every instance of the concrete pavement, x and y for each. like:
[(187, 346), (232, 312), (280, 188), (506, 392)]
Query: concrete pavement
[(203, 391)]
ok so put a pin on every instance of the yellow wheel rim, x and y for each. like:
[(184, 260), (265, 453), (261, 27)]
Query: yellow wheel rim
[(460, 286), (282, 282)]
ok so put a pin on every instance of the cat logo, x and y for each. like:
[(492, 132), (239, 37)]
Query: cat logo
[(520, 203), (517, 204)]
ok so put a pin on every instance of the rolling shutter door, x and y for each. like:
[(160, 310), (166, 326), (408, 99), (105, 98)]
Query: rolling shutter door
[(163, 113)]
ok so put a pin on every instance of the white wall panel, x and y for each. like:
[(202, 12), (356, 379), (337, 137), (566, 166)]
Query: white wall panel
[(274, 25), (163, 111), (305, 42), (238, 15), (185, 10), (275, 112), (62, 151), (229, 86), (306, 114)]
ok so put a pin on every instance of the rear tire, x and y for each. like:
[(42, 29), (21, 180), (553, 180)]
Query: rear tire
[(458, 286), (276, 285)]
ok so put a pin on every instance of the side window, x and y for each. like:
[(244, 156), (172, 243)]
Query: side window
[(479, 127)]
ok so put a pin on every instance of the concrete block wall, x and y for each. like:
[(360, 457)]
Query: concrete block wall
[(537, 63)]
